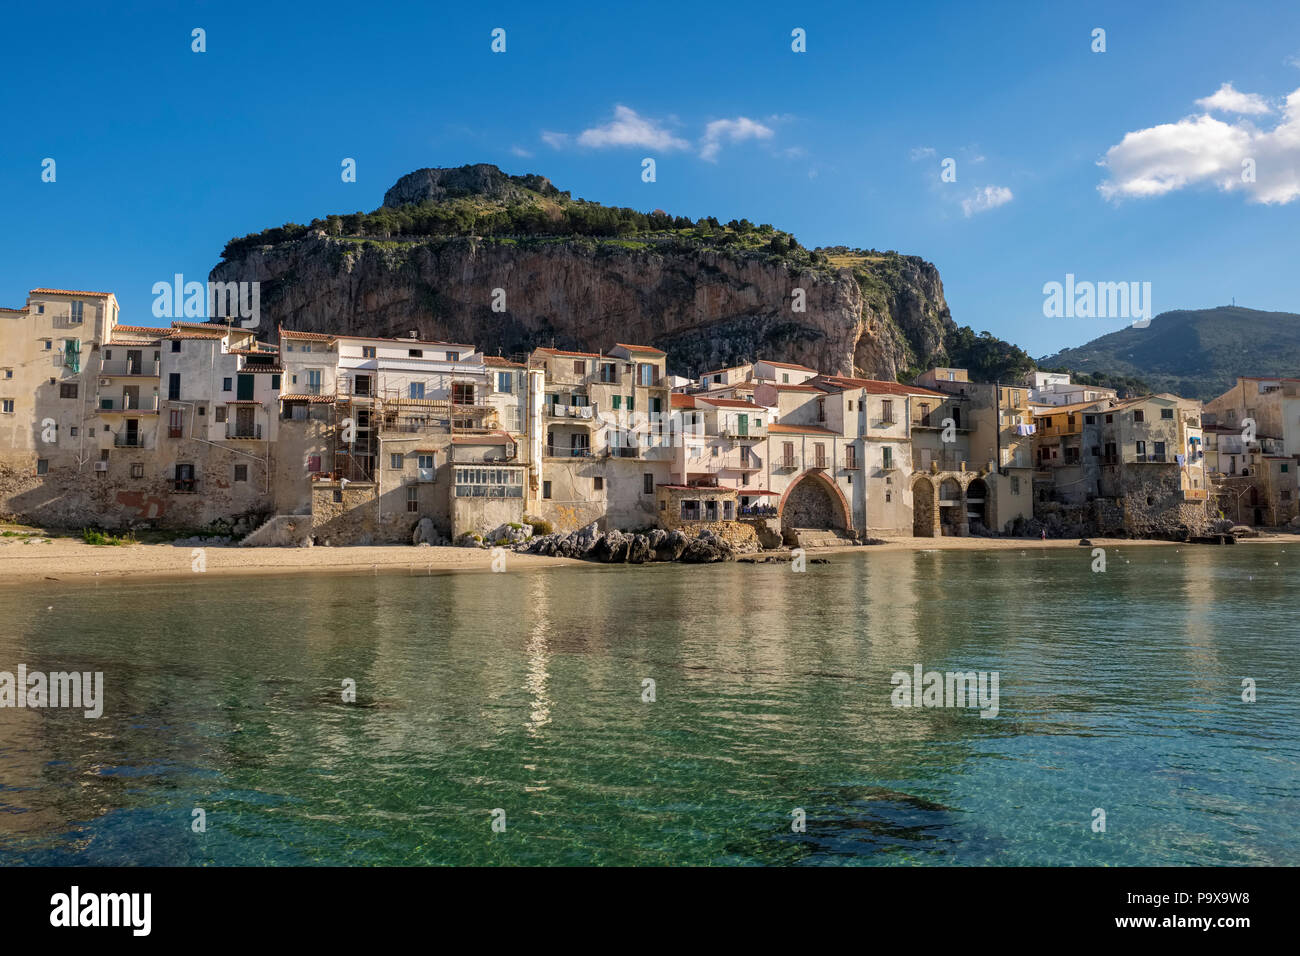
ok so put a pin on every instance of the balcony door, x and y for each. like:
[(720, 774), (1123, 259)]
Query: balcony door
[(245, 423), (245, 392)]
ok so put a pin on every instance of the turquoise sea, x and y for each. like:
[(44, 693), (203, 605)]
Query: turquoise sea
[(525, 692)]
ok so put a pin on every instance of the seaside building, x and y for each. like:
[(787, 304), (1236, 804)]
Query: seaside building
[(1255, 429), (1055, 388), (354, 439)]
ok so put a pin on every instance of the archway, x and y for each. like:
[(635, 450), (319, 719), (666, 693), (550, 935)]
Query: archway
[(951, 520), (814, 502), (923, 508), (977, 503)]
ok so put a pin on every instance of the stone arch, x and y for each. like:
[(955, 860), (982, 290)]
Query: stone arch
[(979, 502), (924, 508), (814, 501), (952, 504)]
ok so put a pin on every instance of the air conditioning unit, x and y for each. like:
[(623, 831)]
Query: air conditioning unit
[(105, 381), (101, 466)]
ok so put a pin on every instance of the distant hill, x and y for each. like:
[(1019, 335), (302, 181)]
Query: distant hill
[(1195, 353)]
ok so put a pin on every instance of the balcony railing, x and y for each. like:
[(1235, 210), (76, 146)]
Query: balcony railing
[(142, 405), (582, 412), (129, 367), (185, 486), (129, 440), (786, 461), (1151, 459), (251, 432), (558, 451)]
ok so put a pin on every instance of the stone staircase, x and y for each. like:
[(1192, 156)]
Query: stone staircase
[(818, 538)]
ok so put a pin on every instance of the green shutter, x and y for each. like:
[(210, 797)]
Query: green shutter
[(618, 402)]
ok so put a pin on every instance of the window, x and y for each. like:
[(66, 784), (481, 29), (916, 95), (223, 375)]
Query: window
[(487, 481), (176, 345), (821, 409), (609, 372), (1139, 415), (546, 489), (647, 484), (453, 356), (74, 431), (887, 410), (505, 382), (7, 406), (415, 353), (416, 390), (49, 344), (1166, 413), (77, 312), (787, 456), (850, 456), (40, 309), (42, 466), (367, 351), (338, 496), (618, 402), (1110, 419), (396, 461), (819, 454), (1141, 448), (241, 473), (227, 384), (313, 463), (306, 347), (68, 390), (220, 413), (1096, 451), (1090, 419), (412, 497), (313, 381), (9, 373), (645, 373), (1015, 485), (887, 457), (275, 383), (631, 403), (579, 367), (598, 483), (175, 423), (1160, 451), (1285, 468), (785, 378), (137, 469)]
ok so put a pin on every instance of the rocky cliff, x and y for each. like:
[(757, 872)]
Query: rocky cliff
[(707, 294)]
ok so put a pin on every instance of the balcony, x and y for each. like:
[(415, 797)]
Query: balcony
[(1151, 459), (248, 432), (129, 440), (185, 486), (129, 368), (138, 406), (558, 451), (579, 413)]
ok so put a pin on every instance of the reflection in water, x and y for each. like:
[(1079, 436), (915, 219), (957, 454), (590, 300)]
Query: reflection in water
[(772, 692)]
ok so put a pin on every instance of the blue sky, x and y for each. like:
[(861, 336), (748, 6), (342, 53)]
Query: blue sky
[(163, 154)]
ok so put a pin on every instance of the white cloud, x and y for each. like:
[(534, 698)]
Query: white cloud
[(555, 140), (990, 197), (1200, 150), (520, 151), (629, 128), (1293, 60), (922, 152), (730, 131), (1228, 100)]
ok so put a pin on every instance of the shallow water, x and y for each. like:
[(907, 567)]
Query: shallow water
[(523, 691)]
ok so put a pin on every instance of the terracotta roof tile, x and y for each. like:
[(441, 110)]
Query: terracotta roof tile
[(679, 400), (877, 387), (98, 295), (639, 348)]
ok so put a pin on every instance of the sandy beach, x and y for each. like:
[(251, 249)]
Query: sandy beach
[(31, 555)]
